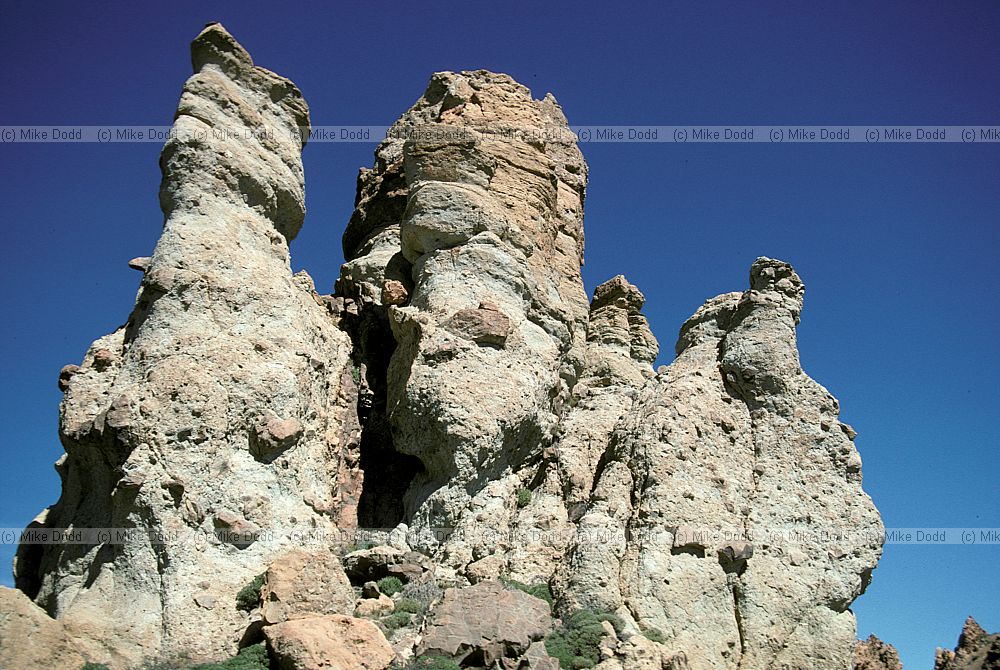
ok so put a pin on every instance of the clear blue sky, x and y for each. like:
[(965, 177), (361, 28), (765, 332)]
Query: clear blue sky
[(897, 244)]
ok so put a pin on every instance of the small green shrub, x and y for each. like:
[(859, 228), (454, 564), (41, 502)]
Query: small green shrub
[(433, 663), (540, 591), (654, 635), (396, 620), (409, 605), (575, 644), (249, 596), (523, 497), (94, 666), (389, 585), (249, 658)]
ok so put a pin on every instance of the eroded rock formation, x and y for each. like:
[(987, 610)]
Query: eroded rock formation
[(225, 403), (976, 650), (874, 654), (460, 389), (733, 442)]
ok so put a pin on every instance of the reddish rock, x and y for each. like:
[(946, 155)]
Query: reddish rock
[(327, 643)]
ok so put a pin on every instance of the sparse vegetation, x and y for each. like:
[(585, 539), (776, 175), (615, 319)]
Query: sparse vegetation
[(389, 585), (409, 605), (540, 591), (249, 658), (94, 666), (523, 497), (575, 644), (249, 596), (425, 592), (654, 635), (395, 620), (433, 663)]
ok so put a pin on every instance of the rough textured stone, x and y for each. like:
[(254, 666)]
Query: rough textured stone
[(874, 654), (489, 236), (224, 347), (734, 439), (485, 623), (31, 639), (302, 583), (328, 643), (371, 606), (458, 396), (371, 564), (976, 650)]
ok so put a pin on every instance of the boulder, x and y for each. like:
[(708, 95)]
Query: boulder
[(485, 623), (332, 642), (874, 654), (371, 564), (302, 583)]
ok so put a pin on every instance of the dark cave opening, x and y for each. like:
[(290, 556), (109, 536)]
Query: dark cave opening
[(387, 472)]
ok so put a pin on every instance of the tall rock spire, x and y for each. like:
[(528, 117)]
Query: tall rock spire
[(223, 409)]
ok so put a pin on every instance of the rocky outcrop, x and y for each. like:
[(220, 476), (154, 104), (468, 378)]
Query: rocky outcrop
[(976, 650), (874, 654), (468, 248), (727, 511), (460, 398), (222, 409)]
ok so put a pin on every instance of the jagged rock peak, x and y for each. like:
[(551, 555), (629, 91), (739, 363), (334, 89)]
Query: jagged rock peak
[(976, 650), (874, 654)]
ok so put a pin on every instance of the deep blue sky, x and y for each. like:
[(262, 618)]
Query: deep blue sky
[(897, 244)]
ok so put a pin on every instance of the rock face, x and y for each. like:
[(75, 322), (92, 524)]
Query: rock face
[(223, 406), (734, 440), (976, 650), (459, 397), (485, 236), (874, 654)]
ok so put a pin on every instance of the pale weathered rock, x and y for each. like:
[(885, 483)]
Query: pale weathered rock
[(976, 650), (224, 352), (458, 396), (301, 583), (874, 654), (31, 639), (734, 440), (487, 621), (488, 234), (329, 642)]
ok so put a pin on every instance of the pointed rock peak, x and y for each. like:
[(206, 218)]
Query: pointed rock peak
[(972, 632), (214, 45), (620, 292)]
